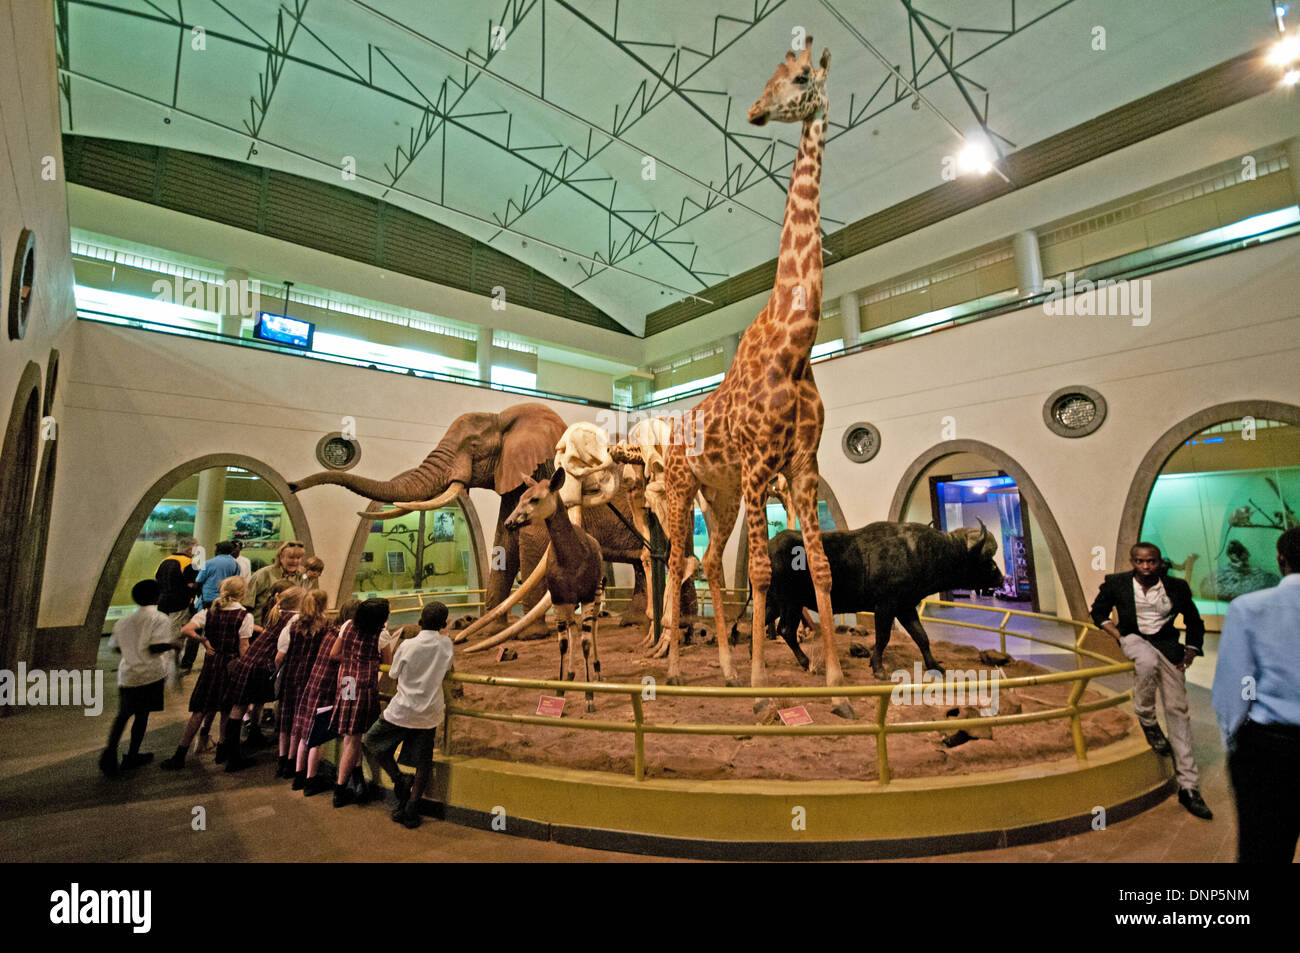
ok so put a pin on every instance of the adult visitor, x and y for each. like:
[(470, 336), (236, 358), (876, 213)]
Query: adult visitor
[(1257, 701), (176, 577), (285, 567), (245, 567), (1146, 603)]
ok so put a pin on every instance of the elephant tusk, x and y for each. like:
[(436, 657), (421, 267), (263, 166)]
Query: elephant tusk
[(406, 509), (439, 501), (383, 514), (533, 614), (539, 571)]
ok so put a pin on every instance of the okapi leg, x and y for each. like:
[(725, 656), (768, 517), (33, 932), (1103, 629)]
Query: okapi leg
[(590, 656), (564, 619), (912, 623)]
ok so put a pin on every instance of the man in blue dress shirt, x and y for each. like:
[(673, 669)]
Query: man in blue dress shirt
[(1257, 700)]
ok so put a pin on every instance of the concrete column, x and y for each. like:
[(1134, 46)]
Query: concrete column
[(642, 387), (1293, 159), (484, 354), (207, 515), (850, 318), (1029, 263), (232, 315), (729, 345)]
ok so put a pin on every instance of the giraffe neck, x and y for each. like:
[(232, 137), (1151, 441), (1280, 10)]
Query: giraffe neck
[(796, 302)]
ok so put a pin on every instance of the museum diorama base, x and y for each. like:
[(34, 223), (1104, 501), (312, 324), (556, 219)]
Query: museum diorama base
[(793, 797)]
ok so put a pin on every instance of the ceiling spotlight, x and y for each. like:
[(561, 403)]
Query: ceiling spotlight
[(975, 157), (1291, 78), (1286, 50)]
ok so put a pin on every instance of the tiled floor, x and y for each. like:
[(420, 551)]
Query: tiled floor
[(56, 806)]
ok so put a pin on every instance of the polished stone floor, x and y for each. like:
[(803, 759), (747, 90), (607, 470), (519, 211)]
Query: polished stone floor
[(56, 806)]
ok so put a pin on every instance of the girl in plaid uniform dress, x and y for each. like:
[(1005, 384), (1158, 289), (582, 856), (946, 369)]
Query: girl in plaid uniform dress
[(357, 705), (303, 635), (249, 675), (319, 691), (227, 626)]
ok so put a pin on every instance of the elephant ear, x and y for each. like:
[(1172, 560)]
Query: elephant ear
[(529, 433)]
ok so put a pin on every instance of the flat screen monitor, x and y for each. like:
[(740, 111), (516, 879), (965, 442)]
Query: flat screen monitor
[(282, 330)]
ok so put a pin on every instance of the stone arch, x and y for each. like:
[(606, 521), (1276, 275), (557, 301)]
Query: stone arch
[(477, 541), (741, 579), (117, 556), (19, 458), (1144, 480), (1064, 564)]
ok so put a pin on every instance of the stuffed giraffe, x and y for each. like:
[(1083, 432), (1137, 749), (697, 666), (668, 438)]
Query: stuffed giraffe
[(765, 419)]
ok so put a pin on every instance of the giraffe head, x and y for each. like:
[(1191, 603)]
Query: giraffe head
[(795, 92), (537, 502)]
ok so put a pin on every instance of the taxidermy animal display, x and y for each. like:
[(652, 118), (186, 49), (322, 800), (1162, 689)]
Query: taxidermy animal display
[(883, 568)]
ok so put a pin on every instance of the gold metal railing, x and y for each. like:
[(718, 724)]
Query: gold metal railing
[(879, 727)]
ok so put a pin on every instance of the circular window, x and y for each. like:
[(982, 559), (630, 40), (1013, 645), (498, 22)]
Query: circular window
[(1074, 411), (861, 442), (337, 452), (21, 284)]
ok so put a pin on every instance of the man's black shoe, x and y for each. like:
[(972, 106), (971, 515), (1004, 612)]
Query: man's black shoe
[(1191, 799), (1156, 739)]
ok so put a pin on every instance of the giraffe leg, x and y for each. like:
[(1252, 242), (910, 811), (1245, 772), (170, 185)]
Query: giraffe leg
[(803, 490), (725, 506), (760, 577), (680, 494)]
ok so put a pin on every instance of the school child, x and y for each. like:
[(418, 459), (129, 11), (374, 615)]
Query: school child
[(411, 719), (142, 638), (252, 675), (357, 703), (226, 628), (256, 716), (299, 642), (319, 692)]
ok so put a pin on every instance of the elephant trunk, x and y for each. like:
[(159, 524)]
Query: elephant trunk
[(430, 478)]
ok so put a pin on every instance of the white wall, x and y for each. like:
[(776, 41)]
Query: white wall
[(29, 119)]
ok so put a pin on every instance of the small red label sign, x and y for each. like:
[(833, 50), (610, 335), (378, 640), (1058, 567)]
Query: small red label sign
[(501, 653), (795, 716), (553, 707)]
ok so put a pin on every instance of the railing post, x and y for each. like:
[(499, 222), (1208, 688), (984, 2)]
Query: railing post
[(447, 684), (883, 773), (638, 736), (1076, 724), (1006, 617)]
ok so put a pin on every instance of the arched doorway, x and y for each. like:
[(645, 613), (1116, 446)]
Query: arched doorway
[(1214, 493), (957, 469), (169, 509), (425, 551), (18, 465)]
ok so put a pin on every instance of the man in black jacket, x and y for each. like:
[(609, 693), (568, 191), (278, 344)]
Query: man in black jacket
[(1147, 603)]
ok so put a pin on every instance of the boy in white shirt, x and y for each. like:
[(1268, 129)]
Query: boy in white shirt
[(411, 719), (142, 638)]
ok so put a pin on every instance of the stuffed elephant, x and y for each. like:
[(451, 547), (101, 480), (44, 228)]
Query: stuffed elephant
[(496, 452)]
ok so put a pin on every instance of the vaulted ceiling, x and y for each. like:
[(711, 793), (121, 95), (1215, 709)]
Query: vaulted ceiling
[(605, 143)]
